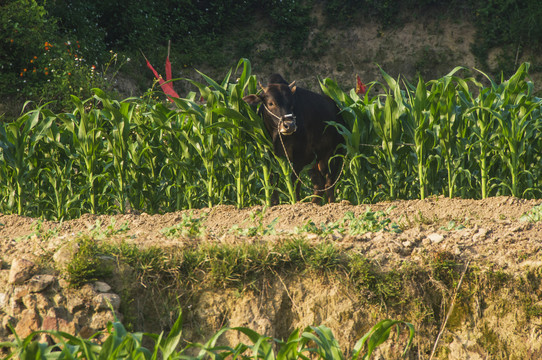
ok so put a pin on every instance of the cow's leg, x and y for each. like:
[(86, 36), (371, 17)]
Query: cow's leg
[(318, 182), (275, 196), (296, 182)]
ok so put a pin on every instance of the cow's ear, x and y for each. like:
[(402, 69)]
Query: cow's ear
[(292, 87), (252, 99)]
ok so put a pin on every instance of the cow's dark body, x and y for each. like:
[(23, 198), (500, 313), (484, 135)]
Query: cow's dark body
[(313, 139)]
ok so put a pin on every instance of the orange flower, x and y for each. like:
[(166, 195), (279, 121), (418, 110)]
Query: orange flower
[(24, 70), (21, 75), (31, 61), (35, 57), (47, 73), (11, 41), (34, 70), (69, 74)]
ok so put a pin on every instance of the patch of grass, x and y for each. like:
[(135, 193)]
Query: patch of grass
[(189, 226), (452, 225), (39, 232), (88, 264), (383, 286), (325, 257), (533, 215), (444, 268), (370, 221), (258, 229), (322, 230), (110, 230)]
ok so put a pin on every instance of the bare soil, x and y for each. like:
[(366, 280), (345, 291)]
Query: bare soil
[(489, 234), (488, 231)]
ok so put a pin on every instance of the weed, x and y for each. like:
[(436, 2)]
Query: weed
[(111, 230), (370, 221), (452, 225), (325, 257), (444, 268), (88, 264), (189, 226), (258, 229), (533, 215), (40, 233), (322, 230)]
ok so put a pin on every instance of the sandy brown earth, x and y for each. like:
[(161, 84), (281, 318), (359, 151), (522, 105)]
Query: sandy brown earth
[(489, 234), (487, 231)]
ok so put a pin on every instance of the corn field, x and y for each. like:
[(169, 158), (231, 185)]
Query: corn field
[(452, 136)]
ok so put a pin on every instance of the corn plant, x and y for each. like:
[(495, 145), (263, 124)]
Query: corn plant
[(314, 342), (358, 135), (119, 120), (86, 151), (515, 126), (449, 124), (19, 141), (419, 125), (386, 116), (107, 156)]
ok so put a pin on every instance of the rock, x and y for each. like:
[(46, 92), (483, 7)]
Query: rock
[(435, 238), (19, 292), (100, 319), (29, 321), (54, 322), (4, 330), (21, 270), (38, 283), (480, 235), (86, 332), (102, 301), (36, 301), (407, 243), (102, 287), (65, 254), (3, 300), (59, 299), (74, 303)]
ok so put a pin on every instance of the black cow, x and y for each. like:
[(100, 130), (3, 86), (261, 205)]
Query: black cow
[(298, 117)]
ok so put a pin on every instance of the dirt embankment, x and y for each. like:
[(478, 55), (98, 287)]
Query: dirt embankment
[(498, 313)]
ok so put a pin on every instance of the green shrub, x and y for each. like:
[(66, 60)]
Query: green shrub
[(88, 263), (24, 29)]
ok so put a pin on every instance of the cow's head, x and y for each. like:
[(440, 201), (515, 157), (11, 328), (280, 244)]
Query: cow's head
[(278, 105)]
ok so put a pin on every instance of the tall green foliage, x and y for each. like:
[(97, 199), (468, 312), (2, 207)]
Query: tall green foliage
[(450, 136), (314, 342)]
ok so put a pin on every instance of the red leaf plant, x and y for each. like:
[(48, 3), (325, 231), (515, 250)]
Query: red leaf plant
[(167, 87), (360, 87)]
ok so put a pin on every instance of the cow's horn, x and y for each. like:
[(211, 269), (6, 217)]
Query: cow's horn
[(292, 86), (261, 86)]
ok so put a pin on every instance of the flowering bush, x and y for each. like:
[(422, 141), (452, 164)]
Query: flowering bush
[(38, 63), (59, 69)]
